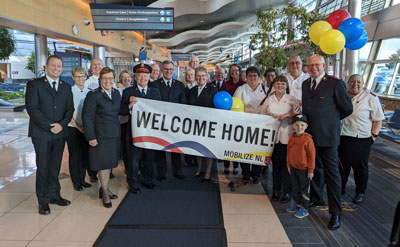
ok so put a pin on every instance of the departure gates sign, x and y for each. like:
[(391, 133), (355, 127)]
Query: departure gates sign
[(201, 131), (124, 17)]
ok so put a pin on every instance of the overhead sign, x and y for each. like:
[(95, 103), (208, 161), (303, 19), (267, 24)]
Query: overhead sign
[(124, 17), (71, 60), (202, 131), (181, 56)]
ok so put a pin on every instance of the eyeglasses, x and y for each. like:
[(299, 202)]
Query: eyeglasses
[(314, 65), (107, 79), (80, 76), (295, 63), (169, 69)]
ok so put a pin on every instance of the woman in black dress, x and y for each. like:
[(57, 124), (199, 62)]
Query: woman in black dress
[(102, 130)]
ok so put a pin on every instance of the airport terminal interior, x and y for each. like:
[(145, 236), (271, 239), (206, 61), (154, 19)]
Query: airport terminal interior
[(210, 201)]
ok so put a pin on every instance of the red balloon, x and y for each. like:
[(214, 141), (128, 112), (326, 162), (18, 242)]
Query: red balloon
[(337, 17)]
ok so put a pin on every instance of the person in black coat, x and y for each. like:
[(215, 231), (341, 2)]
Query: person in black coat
[(325, 103), (50, 107), (202, 95), (136, 154), (171, 90), (102, 130)]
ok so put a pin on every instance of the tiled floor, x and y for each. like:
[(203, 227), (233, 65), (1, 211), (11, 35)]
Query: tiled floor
[(249, 217)]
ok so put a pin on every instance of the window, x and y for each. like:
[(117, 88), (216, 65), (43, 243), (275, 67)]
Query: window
[(396, 84), (382, 77), (390, 49), (364, 52)]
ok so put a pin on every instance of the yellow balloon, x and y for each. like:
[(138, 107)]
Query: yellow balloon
[(317, 29), (237, 105), (332, 42)]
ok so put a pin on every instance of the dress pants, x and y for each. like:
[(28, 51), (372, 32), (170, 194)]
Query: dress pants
[(48, 162), (300, 187), (161, 164), (125, 142), (228, 163), (249, 170), (132, 167), (326, 169), (78, 155), (354, 153), (280, 174)]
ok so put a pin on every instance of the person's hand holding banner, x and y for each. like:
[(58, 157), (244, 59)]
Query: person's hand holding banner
[(132, 101)]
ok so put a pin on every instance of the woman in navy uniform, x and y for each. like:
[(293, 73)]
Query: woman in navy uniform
[(135, 154), (202, 95), (102, 130)]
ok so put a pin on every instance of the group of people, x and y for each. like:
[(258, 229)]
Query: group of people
[(316, 113)]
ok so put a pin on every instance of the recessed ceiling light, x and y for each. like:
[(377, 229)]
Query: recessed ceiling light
[(201, 21)]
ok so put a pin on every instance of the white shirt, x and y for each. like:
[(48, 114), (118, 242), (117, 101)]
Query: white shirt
[(251, 98), (141, 88), (272, 106), (190, 86), (79, 98), (108, 93), (166, 82), (317, 80), (92, 83), (366, 109), (295, 85), (218, 84), (200, 89), (50, 80)]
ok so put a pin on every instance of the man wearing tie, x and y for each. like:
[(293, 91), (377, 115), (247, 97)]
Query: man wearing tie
[(171, 91), (325, 103), (50, 106), (129, 98), (219, 77)]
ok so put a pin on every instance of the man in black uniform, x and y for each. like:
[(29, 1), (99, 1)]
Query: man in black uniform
[(325, 103), (129, 98), (50, 107), (171, 91)]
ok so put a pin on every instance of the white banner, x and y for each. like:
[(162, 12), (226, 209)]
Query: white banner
[(201, 131)]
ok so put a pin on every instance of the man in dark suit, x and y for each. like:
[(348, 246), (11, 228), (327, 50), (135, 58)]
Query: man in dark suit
[(50, 107), (136, 154), (325, 103), (171, 90), (219, 77)]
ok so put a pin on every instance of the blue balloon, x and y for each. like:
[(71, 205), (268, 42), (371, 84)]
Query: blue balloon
[(358, 43), (223, 100), (352, 29)]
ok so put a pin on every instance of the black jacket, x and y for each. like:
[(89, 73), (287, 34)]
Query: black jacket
[(175, 94), (100, 114), (206, 97), (324, 108), (45, 107)]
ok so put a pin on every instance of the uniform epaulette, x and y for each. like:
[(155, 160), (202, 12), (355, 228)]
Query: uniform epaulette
[(372, 94), (334, 77), (95, 90)]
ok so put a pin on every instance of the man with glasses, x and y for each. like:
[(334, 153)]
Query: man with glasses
[(78, 147), (325, 103), (295, 76), (219, 77), (171, 90)]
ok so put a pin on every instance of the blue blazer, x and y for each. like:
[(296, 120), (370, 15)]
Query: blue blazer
[(324, 108)]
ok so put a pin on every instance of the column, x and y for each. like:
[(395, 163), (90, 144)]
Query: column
[(41, 53), (99, 52)]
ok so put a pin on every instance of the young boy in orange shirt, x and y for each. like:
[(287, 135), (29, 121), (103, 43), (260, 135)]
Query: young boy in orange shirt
[(300, 163)]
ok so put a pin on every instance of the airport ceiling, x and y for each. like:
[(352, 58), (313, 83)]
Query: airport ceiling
[(211, 29)]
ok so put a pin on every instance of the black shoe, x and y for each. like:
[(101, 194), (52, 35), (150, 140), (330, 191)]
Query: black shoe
[(93, 179), (285, 198), (198, 175), (256, 180), (245, 181), (226, 171), (149, 186), (180, 177), (112, 175), (315, 204), (86, 185), (275, 196), (60, 201), (334, 223), (359, 198), (107, 204), (235, 172), (111, 195), (44, 209), (394, 244), (206, 179), (161, 178), (134, 190), (78, 187)]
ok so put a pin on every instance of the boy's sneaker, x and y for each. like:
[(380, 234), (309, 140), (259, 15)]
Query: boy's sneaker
[(301, 213), (293, 209)]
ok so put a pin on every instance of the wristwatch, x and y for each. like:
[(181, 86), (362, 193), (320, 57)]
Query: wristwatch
[(374, 135)]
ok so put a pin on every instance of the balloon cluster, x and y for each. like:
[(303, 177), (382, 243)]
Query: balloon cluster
[(338, 32), (223, 100)]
